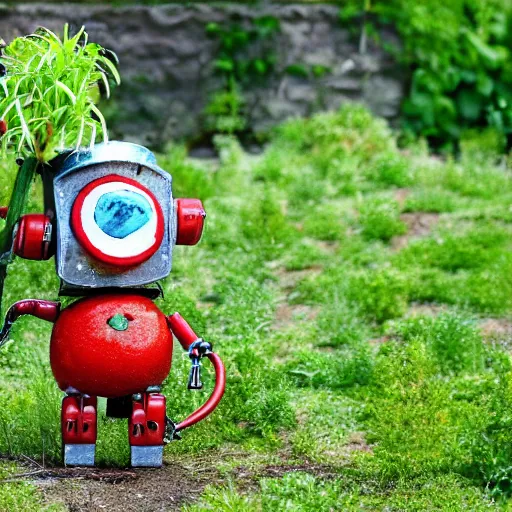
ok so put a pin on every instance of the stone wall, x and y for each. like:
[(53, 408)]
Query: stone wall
[(166, 63)]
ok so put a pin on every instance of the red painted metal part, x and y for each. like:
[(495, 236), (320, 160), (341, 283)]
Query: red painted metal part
[(79, 420), (3, 211), (191, 215), (32, 241), (186, 336), (91, 249), (43, 309), (146, 426), (212, 402), (183, 332), (87, 354)]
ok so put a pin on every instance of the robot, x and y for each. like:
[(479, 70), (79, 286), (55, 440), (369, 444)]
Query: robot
[(111, 222)]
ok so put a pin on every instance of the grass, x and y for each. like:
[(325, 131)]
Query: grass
[(358, 360)]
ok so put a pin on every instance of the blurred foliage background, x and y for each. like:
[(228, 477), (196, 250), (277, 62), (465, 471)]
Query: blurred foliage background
[(456, 55)]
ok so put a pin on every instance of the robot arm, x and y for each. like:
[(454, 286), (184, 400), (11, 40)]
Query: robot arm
[(197, 349), (43, 309)]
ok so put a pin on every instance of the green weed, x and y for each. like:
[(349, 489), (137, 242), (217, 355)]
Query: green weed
[(379, 219), (303, 492)]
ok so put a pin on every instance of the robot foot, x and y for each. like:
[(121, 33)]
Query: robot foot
[(147, 427), (147, 456), (79, 430), (79, 454)]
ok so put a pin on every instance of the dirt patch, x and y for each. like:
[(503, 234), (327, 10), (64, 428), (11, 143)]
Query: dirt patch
[(376, 342), (401, 195), (497, 330), (130, 490), (496, 327), (151, 490), (288, 314), (418, 225), (357, 443), (288, 280), (425, 310)]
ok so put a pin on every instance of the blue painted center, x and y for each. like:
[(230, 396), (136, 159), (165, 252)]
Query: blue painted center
[(121, 213)]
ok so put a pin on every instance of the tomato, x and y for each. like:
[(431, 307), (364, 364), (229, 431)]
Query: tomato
[(111, 346)]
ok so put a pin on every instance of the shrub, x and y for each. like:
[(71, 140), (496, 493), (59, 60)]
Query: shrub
[(338, 370), (459, 55), (453, 249), (389, 169), (454, 342), (380, 219)]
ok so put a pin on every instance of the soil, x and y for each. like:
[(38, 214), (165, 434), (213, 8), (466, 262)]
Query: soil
[(418, 225), (499, 327), (126, 490), (153, 490), (288, 315), (498, 331), (401, 195), (288, 280)]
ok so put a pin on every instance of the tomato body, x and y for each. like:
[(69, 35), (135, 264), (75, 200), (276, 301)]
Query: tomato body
[(111, 346)]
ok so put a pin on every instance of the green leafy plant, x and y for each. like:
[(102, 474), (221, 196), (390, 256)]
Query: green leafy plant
[(245, 55), (49, 91), (304, 71), (235, 40), (459, 57), (380, 219), (224, 112)]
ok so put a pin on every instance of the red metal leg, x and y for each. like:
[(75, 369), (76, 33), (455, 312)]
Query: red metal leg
[(79, 420), (79, 429), (147, 429), (147, 422)]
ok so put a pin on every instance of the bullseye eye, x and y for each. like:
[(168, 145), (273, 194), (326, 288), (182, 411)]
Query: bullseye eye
[(118, 221), (121, 213)]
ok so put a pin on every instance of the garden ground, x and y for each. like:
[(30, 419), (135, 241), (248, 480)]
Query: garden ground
[(360, 295)]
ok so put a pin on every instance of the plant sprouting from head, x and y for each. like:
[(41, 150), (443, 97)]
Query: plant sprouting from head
[(48, 92)]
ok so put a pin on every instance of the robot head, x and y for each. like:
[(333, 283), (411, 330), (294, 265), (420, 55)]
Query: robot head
[(116, 220)]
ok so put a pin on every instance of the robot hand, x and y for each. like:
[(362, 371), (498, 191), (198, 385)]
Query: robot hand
[(197, 350)]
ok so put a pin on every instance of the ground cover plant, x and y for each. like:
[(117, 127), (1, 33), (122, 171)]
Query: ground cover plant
[(360, 295), (457, 55)]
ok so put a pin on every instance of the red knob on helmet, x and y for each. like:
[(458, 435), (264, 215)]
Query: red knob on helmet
[(190, 214)]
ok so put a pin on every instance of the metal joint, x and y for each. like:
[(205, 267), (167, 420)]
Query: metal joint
[(199, 348)]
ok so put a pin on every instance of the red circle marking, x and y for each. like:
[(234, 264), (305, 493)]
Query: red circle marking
[(85, 242)]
